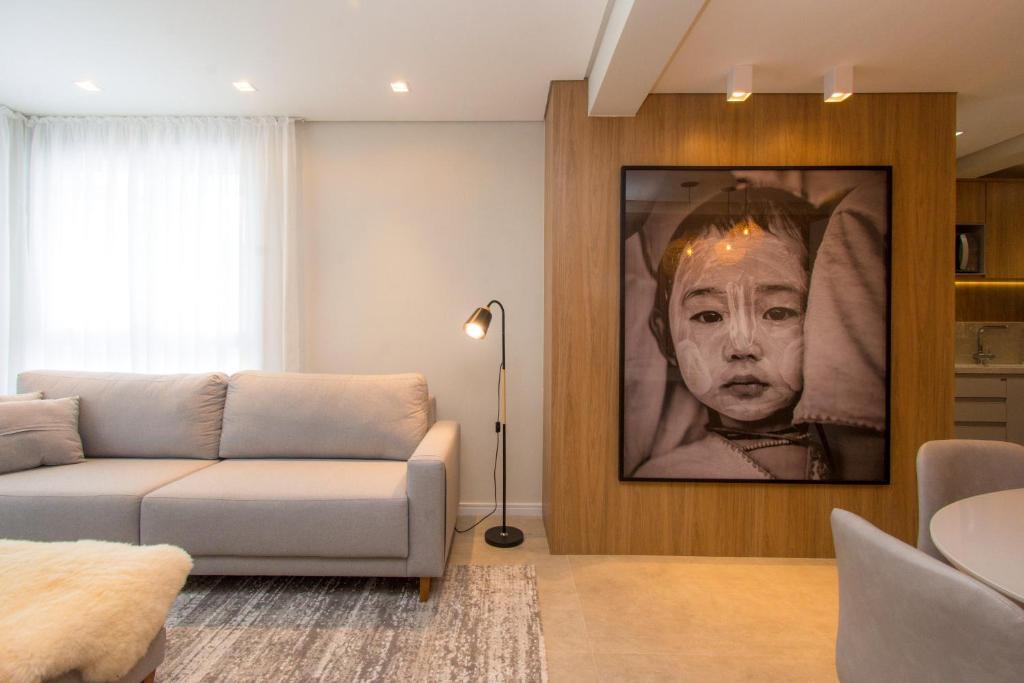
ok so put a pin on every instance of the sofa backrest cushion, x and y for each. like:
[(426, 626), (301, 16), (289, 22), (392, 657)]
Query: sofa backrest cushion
[(18, 398), (299, 415), (140, 416)]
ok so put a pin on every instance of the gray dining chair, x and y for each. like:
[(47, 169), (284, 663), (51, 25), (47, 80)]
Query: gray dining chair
[(905, 617), (954, 469)]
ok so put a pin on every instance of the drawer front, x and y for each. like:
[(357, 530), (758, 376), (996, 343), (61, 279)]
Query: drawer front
[(979, 410), (979, 387), (994, 432)]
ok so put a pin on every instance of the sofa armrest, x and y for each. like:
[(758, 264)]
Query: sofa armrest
[(432, 484)]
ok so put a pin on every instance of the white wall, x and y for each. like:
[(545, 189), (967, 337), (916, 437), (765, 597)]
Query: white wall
[(407, 227)]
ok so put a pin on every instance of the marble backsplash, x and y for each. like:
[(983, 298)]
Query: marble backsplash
[(1007, 345)]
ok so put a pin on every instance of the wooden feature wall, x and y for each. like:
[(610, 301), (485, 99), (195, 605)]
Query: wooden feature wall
[(586, 508)]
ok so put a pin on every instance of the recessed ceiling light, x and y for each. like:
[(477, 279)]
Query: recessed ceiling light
[(399, 86), (959, 133), (740, 83), (244, 86), (88, 86), (838, 84)]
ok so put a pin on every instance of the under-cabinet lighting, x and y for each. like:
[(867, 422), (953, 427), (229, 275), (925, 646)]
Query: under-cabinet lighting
[(989, 283)]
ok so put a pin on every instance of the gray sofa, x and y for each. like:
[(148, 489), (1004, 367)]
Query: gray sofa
[(256, 474)]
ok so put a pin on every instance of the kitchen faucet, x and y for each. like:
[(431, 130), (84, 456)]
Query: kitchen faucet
[(981, 356)]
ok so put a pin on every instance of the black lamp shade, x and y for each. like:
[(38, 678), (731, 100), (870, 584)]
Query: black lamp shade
[(476, 326)]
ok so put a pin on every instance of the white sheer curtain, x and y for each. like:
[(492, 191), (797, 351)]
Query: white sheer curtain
[(12, 225), (158, 245)]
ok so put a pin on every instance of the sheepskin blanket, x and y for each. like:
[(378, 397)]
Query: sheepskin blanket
[(88, 605)]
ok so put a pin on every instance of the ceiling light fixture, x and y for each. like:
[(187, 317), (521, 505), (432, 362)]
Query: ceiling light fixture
[(959, 133), (88, 86), (244, 86), (839, 83), (399, 86), (740, 83)]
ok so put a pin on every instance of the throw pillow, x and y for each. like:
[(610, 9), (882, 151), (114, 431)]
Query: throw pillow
[(34, 396), (36, 433)]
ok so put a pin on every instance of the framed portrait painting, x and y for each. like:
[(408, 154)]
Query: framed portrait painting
[(755, 324)]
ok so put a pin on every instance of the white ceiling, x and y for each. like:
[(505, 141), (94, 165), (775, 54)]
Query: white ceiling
[(485, 60), (320, 59), (972, 47)]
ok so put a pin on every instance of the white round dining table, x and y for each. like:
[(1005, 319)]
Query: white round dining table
[(983, 536)]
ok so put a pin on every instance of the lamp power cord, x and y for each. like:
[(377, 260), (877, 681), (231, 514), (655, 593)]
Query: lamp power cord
[(494, 467)]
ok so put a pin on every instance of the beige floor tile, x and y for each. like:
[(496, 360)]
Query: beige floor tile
[(556, 588), (630, 618), (533, 549), (671, 605), (721, 668), (565, 628), (571, 667), (471, 548), (528, 525)]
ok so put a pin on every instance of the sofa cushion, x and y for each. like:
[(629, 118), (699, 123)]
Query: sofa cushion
[(141, 416), (10, 398), (97, 498), (37, 433), (295, 415), (284, 508)]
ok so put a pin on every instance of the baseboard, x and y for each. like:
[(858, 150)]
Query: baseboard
[(514, 509)]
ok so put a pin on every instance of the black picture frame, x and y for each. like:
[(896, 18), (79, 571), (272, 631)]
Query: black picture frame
[(885, 478)]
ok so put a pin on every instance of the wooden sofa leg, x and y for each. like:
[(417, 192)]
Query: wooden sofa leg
[(150, 678), (424, 588)]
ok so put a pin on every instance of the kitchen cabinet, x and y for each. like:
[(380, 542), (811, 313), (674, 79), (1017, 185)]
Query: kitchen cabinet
[(970, 202), (1004, 229), (998, 205), (989, 406)]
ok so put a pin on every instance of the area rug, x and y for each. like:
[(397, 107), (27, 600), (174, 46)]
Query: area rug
[(482, 623)]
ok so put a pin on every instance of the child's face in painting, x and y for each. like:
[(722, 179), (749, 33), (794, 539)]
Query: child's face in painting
[(736, 318)]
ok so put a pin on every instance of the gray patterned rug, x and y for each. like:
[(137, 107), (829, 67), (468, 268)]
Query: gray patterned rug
[(482, 623)]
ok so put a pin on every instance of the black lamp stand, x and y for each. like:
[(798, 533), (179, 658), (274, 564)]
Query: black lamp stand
[(503, 536)]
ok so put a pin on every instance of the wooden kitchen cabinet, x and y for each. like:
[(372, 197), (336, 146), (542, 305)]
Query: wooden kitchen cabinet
[(1004, 229), (989, 406), (970, 202)]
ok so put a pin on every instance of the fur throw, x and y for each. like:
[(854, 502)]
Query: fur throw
[(89, 606)]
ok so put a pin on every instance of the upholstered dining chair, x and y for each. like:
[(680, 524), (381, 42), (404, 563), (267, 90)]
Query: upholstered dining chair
[(904, 616), (953, 469)]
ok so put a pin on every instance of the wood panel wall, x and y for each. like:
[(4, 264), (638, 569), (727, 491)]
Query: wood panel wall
[(586, 508)]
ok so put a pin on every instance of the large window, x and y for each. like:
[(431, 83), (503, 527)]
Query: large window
[(153, 245)]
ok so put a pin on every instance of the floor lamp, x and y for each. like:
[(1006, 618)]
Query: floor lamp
[(503, 536)]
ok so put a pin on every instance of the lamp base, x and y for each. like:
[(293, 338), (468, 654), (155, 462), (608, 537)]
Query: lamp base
[(503, 536)]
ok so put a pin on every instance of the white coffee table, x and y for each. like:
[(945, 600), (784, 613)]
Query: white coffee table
[(984, 536)]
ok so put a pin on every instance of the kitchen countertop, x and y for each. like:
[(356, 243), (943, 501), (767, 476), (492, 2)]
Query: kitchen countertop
[(990, 369)]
